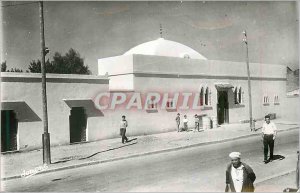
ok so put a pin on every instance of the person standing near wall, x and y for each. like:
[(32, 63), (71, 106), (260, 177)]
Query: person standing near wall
[(196, 123), (185, 123), (269, 132), (178, 122), (123, 127)]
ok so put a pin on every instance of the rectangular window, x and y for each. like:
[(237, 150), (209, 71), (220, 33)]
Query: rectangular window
[(276, 100), (266, 100), (151, 105)]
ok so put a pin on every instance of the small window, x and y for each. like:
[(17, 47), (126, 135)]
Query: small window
[(206, 96), (266, 100), (236, 96), (240, 95), (170, 104), (202, 96), (151, 104), (276, 100)]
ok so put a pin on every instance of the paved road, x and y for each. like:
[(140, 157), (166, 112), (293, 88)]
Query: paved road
[(194, 169)]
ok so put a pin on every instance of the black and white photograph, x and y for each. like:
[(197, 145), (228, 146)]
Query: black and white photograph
[(150, 96)]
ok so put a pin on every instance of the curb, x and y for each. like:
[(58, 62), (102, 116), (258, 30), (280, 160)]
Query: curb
[(274, 176), (145, 154)]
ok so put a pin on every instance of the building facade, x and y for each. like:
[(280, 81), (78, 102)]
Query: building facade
[(160, 66)]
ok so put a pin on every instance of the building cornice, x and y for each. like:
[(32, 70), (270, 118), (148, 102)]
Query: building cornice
[(59, 78)]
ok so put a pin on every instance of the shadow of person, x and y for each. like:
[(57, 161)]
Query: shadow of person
[(278, 157), (130, 140), (256, 129)]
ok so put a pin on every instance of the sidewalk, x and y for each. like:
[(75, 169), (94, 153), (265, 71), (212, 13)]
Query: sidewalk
[(277, 184), (78, 155)]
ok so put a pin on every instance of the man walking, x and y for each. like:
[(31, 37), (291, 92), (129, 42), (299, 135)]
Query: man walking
[(239, 176), (178, 122), (269, 132), (123, 127)]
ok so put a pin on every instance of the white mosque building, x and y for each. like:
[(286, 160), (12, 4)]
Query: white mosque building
[(161, 66), (168, 66)]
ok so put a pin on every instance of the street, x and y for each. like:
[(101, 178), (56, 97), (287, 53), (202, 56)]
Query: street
[(194, 169)]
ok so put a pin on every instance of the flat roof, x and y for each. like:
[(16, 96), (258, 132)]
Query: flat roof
[(36, 77)]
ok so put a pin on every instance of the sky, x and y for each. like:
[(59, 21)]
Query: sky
[(104, 29)]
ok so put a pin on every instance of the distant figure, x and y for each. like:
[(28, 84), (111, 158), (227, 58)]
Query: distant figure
[(123, 127), (200, 121), (239, 176), (269, 132), (196, 123), (178, 122), (185, 123)]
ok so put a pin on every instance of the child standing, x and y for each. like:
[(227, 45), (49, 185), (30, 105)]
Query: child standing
[(196, 123), (178, 121), (185, 123)]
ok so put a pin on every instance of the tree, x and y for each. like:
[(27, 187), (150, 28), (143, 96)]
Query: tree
[(16, 70), (70, 63), (35, 66), (3, 66)]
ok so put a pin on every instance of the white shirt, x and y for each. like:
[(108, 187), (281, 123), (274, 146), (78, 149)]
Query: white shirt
[(269, 129), (237, 177), (185, 120), (123, 124)]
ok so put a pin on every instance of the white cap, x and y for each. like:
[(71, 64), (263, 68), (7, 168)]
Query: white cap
[(233, 155)]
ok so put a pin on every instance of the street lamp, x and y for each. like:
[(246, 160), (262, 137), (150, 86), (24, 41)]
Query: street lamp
[(249, 83), (44, 51)]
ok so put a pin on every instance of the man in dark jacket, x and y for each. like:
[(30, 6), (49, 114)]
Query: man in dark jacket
[(239, 176)]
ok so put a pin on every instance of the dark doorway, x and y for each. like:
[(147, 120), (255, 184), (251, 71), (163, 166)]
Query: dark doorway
[(9, 131), (222, 106), (78, 122)]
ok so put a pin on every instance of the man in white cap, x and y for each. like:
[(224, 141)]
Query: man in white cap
[(239, 176)]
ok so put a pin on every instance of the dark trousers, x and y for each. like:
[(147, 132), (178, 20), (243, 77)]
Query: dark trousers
[(197, 126), (122, 133), (268, 144)]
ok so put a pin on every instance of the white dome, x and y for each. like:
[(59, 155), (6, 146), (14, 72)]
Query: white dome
[(162, 47)]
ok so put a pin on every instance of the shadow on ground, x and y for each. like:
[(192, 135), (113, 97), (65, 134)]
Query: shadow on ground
[(110, 149), (278, 157)]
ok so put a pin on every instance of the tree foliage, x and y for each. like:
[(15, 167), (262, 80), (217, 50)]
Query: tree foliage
[(3, 66), (70, 63), (15, 70)]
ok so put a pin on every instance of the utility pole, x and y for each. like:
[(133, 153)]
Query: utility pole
[(249, 83), (297, 170), (44, 51)]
